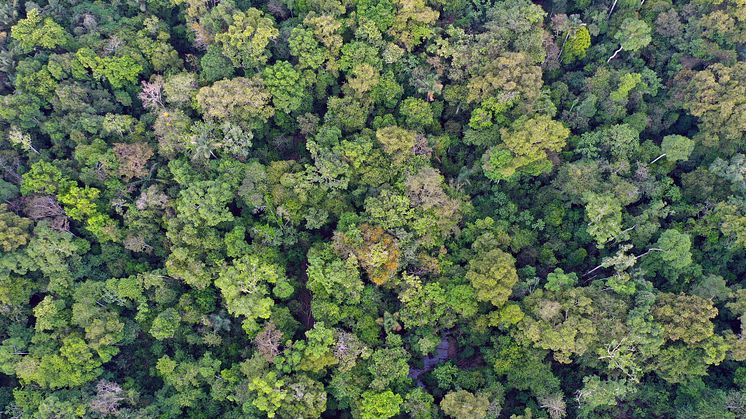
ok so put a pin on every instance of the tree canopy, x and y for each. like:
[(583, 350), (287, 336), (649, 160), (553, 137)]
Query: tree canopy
[(372, 209)]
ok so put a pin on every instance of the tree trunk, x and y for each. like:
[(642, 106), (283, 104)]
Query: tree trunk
[(613, 5), (657, 158), (615, 53)]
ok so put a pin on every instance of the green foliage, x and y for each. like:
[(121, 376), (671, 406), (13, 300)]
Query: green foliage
[(524, 148), (214, 65), (45, 178), (462, 404), (204, 203), (576, 45), (604, 213), (685, 317), (286, 86), (380, 405), (245, 286), (245, 42), (597, 394), (627, 82), (396, 142), (333, 279), (72, 366), (165, 324), (561, 322), (492, 274), (675, 249), (14, 230), (417, 113), (33, 32), (558, 280), (633, 35), (677, 147), (372, 209), (239, 100), (118, 71)]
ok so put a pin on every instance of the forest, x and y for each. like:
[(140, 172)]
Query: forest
[(372, 209)]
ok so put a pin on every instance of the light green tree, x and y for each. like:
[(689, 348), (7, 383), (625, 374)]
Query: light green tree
[(492, 274), (524, 148), (246, 40), (604, 213), (33, 32), (633, 35)]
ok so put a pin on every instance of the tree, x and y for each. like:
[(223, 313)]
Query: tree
[(32, 32), (396, 142), (185, 378), (246, 40), (378, 252), (239, 100), (268, 341), (165, 324), (363, 79), (508, 76), (604, 213), (416, 113), (558, 280), (214, 65), (555, 405), (627, 82), (462, 404), (246, 285), (524, 148), (633, 35), (678, 364), (419, 404), (685, 317), (675, 248), (304, 46), (14, 230), (715, 95), (21, 139), (57, 255), (72, 366), (333, 279), (151, 94), (411, 22), (375, 405), (389, 368), (675, 148), (109, 396), (118, 71), (492, 274), (597, 394), (45, 178), (205, 203), (180, 89), (314, 354), (270, 393), (576, 45), (133, 159), (307, 398), (286, 86), (563, 322)]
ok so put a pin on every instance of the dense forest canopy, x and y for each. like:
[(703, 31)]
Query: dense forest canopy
[(373, 209)]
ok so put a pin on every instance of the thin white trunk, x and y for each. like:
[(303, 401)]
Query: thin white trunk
[(615, 53), (658, 158), (613, 5), (653, 249), (563, 45)]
